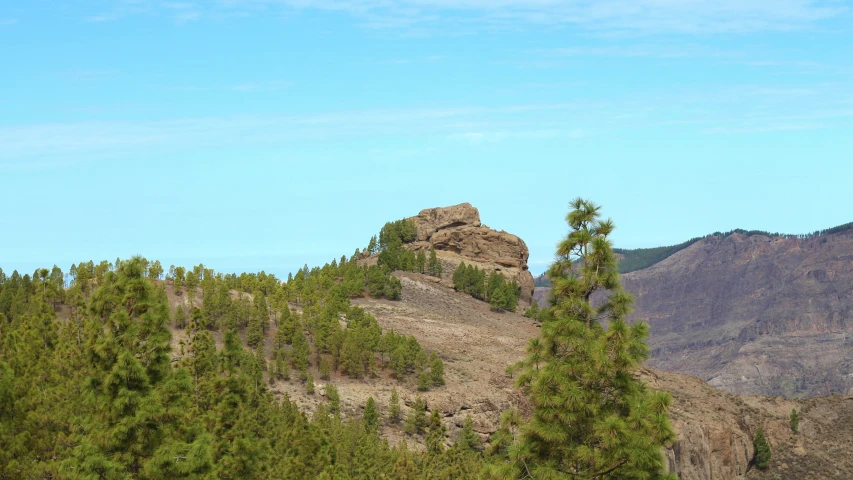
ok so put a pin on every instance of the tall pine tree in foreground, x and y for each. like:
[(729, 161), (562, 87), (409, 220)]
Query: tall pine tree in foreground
[(592, 417)]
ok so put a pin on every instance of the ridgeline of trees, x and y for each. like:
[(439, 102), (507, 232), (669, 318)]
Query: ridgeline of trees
[(494, 288), (640, 258), (541, 281)]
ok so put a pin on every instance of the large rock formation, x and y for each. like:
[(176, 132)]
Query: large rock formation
[(457, 235)]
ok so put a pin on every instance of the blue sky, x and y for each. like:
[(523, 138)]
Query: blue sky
[(264, 134)]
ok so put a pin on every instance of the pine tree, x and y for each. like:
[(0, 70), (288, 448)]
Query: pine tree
[(433, 265), (416, 419), (301, 351), (436, 370), (424, 381), (282, 367), (459, 277), (371, 416), (261, 356), (420, 262), (334, 398), (261, 310), (533, 311), (394, 407), (468, 438), (795, 421), (309, 383), (591, 416), (180, 317), (762, 450), (435, 435), (138, 403), (254, 333), (325, 369)]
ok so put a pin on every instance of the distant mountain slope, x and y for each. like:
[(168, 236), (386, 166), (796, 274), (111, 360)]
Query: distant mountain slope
[(754, 314), (640, 258), (748, 312)]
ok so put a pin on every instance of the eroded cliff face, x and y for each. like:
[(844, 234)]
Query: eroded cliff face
[(753, 315), (458, 236)]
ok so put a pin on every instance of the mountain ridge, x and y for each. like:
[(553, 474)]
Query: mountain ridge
[(752, 314)]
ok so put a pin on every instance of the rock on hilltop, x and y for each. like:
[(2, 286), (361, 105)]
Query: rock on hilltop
[(458, 236)]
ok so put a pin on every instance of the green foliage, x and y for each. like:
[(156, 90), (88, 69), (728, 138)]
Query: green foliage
[(424, 381), (371, 416), (325, 369), (591, 416), (433, 265), (254, 334), (300, 352), (180, 318), (533, 310), (99, 396), (762, 450), (394, 412), (436, 370), (795, 421), (435, 435), (468, 438), (399, 231), (282, 367), (416, 419), (494, 288), (334, 398), (309, 383)]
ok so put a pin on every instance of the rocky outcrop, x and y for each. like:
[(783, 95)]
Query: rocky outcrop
[(431, 220), (457, 235)]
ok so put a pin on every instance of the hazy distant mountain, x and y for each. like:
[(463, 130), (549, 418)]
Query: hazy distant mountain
[(751, 313)]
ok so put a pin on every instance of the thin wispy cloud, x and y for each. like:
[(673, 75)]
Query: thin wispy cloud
[(40, 141), (724, 112), (259, 86), (84, 75), (407, 61), (8, 21), (662, 51), (598, 16), (490, 137)]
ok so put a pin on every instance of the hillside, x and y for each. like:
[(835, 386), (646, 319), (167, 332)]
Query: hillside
[(753, 314), (338, 340), (714, 428)]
